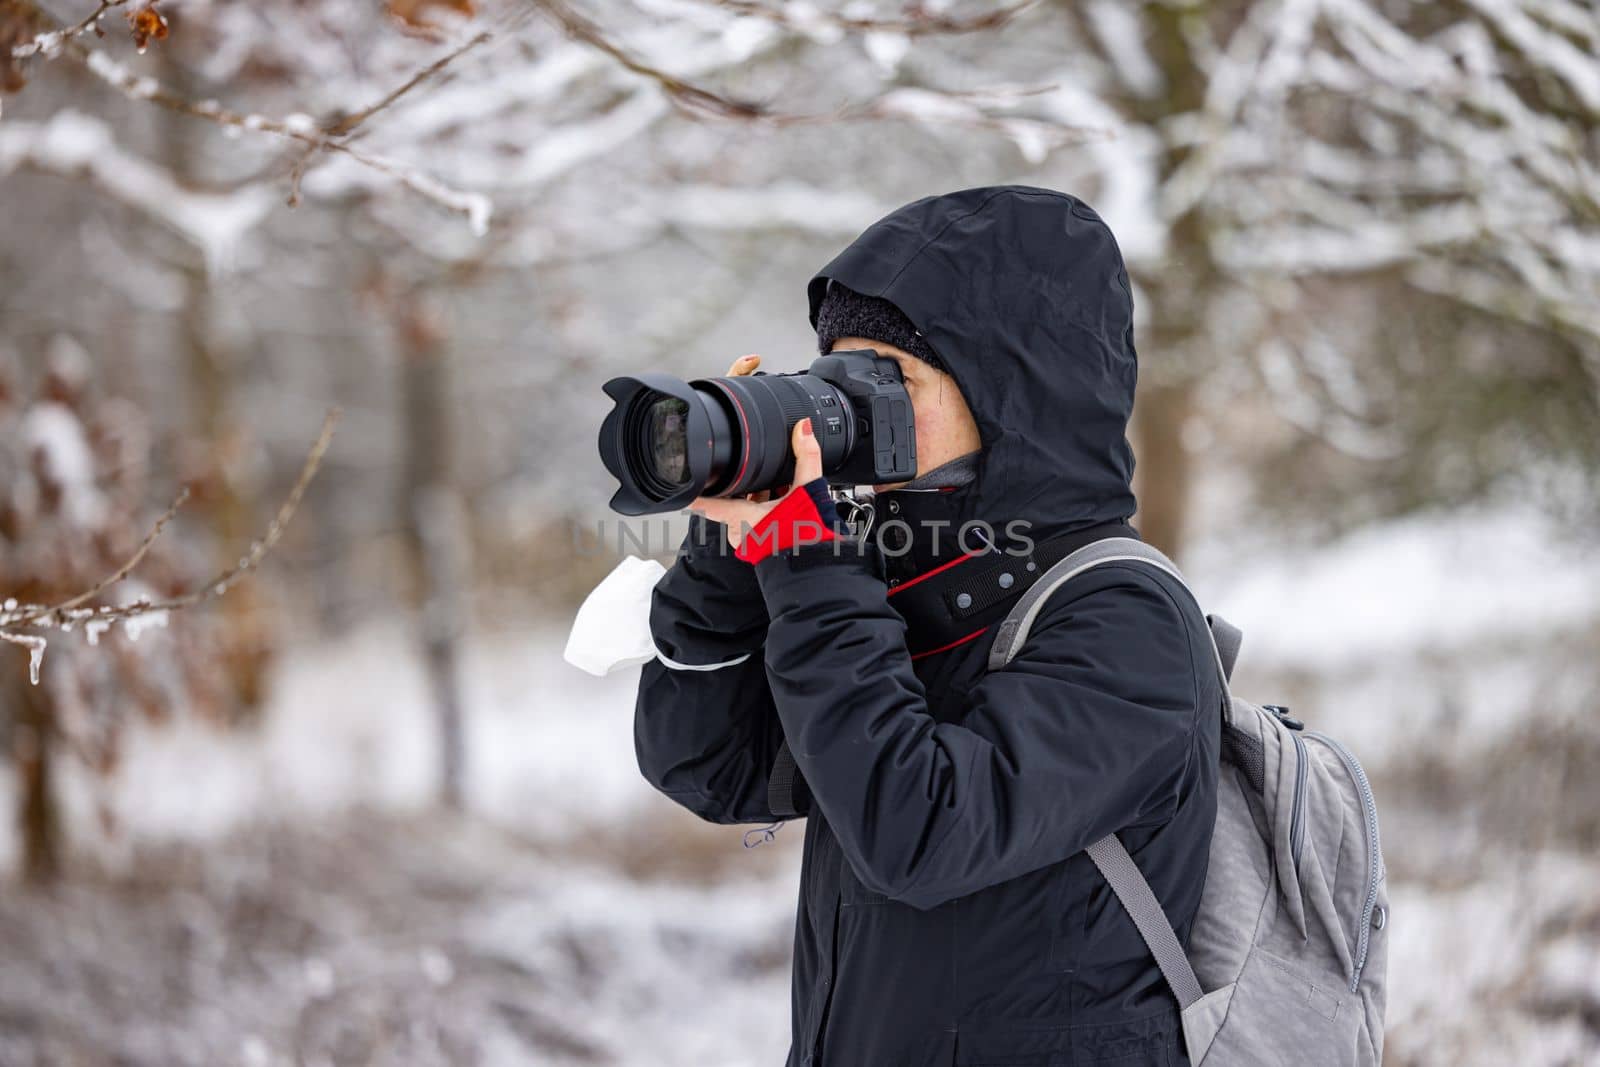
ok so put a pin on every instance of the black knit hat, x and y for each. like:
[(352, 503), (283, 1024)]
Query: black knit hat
[(847, 313)]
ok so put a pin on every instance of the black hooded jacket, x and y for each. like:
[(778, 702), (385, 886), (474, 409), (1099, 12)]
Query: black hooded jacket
[(947, 914)]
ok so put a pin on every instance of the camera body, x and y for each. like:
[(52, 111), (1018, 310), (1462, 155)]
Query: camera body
[(667, 441)]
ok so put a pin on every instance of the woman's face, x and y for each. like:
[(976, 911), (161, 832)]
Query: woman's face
[(945, 427)]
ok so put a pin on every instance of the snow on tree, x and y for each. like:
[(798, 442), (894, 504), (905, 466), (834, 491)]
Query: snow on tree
[(1308, 192), (1269, 154), (495, 114), (80, 586), (496, 103)]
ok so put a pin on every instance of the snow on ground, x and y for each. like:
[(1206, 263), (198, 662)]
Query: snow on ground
[(349, 726), (331, 916), (1473, 980), (1436, 581), (416, 941)]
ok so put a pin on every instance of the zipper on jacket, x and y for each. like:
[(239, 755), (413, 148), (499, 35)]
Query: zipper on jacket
[(1369, 809), (832, 981)]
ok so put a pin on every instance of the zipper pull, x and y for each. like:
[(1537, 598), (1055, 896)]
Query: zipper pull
[(1281, 712)]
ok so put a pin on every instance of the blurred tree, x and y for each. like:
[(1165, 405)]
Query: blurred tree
[(434, 518), (1425, 154), (75, 467)]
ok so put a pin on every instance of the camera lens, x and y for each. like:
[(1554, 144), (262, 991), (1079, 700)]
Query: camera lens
[(656, 436), (666, 440)]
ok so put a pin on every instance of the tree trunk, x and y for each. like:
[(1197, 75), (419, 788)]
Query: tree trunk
[(32, 751), (435, 522), (225, 496), (1175, 344), (1162, 469)]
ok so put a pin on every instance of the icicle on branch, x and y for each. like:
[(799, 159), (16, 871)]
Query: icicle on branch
[(70, 612), (35, 646), (31, 616)]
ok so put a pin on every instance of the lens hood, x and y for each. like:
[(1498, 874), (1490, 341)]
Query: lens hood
[(630, 395)]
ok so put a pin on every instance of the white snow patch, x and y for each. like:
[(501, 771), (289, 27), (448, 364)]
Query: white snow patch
[(54, 434), (886, 50), (1419, 583)]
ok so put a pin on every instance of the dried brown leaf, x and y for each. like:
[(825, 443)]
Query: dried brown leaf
[(424, 14), (147, 24)]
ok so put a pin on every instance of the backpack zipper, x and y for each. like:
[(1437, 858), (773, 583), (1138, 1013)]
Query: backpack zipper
[(1369, 809), (1297, 818)]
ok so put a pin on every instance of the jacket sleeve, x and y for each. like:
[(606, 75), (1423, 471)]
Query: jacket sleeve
[(705, 729), (1089, 730)]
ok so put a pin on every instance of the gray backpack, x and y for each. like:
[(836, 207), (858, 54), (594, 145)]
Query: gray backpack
[(1287, 954)]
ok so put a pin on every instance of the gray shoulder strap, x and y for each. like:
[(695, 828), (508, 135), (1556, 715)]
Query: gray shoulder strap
[(1228, 638), (1013, 632), (1109, 855), (1118, 868)]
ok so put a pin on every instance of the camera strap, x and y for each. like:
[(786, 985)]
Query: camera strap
[(948, 606)]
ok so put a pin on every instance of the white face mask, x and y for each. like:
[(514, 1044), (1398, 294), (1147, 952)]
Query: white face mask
[(612, 627)]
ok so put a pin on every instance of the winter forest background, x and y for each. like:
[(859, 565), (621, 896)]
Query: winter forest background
[(310, 784)]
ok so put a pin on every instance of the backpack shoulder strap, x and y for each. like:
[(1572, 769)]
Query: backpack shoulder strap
[(1117, 867), (1108, 854), (1226, 638)]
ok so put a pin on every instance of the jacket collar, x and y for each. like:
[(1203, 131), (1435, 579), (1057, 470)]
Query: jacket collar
[(917, 530)]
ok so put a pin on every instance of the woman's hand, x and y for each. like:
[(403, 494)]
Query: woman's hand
[(741, 515), (742, 366)]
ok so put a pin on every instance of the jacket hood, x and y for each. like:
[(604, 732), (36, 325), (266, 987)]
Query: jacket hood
[(1023, 294)]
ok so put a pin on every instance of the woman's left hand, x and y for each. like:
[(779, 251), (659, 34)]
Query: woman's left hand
[(740, 515)]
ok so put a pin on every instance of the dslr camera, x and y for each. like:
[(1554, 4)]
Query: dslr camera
[(668, 441)]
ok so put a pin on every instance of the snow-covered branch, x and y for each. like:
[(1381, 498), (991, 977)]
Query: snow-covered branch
[(52, 40), (1465, 150), (75, 145), (298, 126), (917, 22), (72, 612)]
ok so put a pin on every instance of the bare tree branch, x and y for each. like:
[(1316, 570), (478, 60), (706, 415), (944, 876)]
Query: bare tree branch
[(348, 124), (475, 207), (928, 105), (113, 578), (682, 93), (303, 129), (54, 39), (920, 22), (68, 613)]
